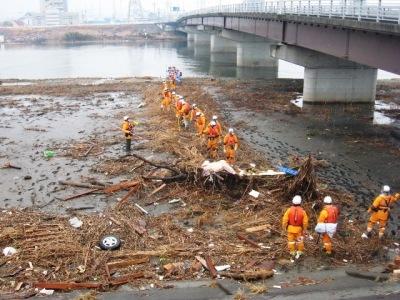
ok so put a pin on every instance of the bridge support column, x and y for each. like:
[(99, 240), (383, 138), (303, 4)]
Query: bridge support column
[(328, 79), (220, 44), (254, 55), (190, 37), (201, 38)]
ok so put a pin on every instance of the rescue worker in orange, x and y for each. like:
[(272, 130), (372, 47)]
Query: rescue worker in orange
[(231, 144), (178, 108), (295, 223), (185, 112), (212, 139), (379, 211), (327, 223), (219, 126), (127, 128), (167, 99), (200, 123), (164, 85), (194, 111)]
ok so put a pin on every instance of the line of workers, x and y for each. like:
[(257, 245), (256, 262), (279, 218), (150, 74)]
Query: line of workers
[(295, 219)]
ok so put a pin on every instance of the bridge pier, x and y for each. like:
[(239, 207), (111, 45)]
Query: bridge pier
[(220, 44), (254, 55), (202, 38), (190, 37), (328, 79)]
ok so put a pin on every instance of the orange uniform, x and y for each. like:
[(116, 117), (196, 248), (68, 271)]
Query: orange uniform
[(212, 141), (295, 222), (380, 212), (167, 99), (200, 123), (328, 215), (185, 113), (231, 144)]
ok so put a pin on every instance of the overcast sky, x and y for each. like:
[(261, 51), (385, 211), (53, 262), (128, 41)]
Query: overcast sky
[(11, 9)]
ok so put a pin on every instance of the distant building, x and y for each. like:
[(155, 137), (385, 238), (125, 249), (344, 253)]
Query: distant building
[(55, 13), (2, 39), (32, 19)]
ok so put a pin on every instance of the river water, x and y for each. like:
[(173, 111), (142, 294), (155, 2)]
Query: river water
[(123, 60)]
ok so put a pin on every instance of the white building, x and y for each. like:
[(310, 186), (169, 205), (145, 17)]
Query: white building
[(32, 19), (55, 12)]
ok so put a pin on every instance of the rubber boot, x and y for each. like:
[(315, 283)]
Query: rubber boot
[(128, 145)]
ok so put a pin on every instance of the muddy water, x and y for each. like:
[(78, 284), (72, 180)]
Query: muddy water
[(360, 152), (56, 121)]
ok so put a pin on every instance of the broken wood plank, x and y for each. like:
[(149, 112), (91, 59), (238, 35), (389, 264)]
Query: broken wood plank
[(249, 276), (68, 285), (10, 166), (378, 277), (81, 195), (87, 152), (127, 278), (157, 189), (202, 261), (82, 185), (247, 240), (211, 266), (126, 197), (141, 209), (127, 262), (121, 186), (115, 221), (257, 228)]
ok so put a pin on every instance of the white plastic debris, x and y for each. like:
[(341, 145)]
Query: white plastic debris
[(174, 201), (142, 104), (345, 260), (222, 268), (46, 292), (190, 230), (75, 222), (8, 251), (364, 236), (277, 286), (254, 193)]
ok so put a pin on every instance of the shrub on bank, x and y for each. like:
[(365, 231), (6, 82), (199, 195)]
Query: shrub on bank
[(77, 37)]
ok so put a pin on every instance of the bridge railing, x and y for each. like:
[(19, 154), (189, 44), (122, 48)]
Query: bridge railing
[(371, 10)]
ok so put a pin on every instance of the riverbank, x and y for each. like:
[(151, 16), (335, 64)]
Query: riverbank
[(87, 34), (79, 120)]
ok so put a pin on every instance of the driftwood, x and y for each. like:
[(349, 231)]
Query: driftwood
[(249, 276), (82, 185), (87, 152), (68, 285), (130, 193), (10, 166), (178, 175), (211, 266), (121, 186), (82, 194), (247, 240), (368, 275)]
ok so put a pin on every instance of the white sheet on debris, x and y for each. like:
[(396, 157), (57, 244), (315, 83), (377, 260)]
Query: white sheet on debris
[(215, 167)]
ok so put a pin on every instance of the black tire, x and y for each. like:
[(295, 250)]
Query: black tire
[(110, 242)]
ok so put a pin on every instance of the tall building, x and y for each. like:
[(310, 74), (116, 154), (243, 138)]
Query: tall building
[(53, 11)]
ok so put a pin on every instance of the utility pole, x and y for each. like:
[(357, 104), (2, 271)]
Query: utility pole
[(135, 10)]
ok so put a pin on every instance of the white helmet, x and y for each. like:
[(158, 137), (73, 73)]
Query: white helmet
[(194, 105), (230, 130), (198, 114), (173, 93), (180, 97), (327, 199), (183, 101), (296, 200), (386, 189), (215, 118), (213, 123), (126, 118)]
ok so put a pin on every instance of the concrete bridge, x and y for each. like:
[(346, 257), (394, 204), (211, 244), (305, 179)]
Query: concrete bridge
[(340, 43)]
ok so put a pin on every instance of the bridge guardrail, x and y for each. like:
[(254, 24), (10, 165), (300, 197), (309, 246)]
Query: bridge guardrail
[(372, 10)]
